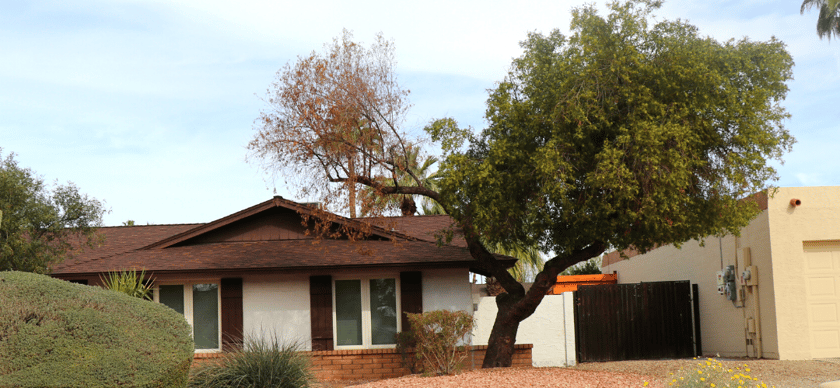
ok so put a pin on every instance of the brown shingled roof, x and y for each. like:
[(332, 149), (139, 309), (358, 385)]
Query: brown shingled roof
[(401, 241), (425, 227), (286, 254), (121, 239)]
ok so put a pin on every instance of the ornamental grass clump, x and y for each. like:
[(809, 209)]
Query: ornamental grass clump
[(712, 373), (261, 362)]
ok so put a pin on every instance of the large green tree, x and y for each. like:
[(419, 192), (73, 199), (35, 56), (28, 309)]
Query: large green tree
[(42, 225), (828, 21), (628, 132)]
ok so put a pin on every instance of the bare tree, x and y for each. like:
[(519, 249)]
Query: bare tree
[(335, 117)]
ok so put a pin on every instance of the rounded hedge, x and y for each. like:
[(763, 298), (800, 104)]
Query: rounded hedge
[(58, 334)]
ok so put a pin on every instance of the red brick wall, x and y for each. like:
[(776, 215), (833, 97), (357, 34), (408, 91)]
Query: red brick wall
[(376, 364)]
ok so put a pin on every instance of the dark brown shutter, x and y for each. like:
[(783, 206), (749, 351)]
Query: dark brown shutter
[(411, 295), (320, 310), (231, 313)]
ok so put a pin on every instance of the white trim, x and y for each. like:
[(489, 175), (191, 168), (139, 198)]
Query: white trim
[(188, 306), (366, 316)]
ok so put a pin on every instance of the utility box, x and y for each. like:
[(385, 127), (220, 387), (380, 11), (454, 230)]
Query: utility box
[(750, 276), (730, 289), (751, 325)]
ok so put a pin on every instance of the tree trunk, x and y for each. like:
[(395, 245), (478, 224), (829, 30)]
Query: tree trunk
[(351, 165), (502, 338), (515, 307)]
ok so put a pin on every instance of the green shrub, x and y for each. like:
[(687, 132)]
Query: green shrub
[(130, 283), (405, 345), (261, 362), (440, 335), (58, 334)]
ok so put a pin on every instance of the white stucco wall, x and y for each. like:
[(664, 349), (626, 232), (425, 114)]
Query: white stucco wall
[(550, 329), (447, 289), (279, 305)]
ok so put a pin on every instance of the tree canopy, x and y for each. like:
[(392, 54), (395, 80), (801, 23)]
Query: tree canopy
[(628, 132), (41, 224), (625, 134), (336, 117)]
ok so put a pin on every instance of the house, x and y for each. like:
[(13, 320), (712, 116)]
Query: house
[(262, 271), (772, 292)]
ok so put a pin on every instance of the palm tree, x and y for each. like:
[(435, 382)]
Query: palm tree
[(828, 23), (420, 167), (530, 261)]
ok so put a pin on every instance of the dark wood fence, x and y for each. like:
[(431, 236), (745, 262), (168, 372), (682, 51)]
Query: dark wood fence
[(635, 321)]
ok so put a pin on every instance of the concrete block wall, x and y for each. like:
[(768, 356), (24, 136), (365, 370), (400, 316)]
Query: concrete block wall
[(551, 329)]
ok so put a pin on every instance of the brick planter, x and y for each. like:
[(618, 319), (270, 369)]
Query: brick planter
[(375, 364)]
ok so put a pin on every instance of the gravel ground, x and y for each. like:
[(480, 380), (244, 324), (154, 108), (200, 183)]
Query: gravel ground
[(781, 374), (518, 377)]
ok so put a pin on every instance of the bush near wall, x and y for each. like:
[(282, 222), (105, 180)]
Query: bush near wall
[(58, 334), (440, 337)]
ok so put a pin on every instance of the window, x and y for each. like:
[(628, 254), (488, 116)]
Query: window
[(366, 312), (200, 304)]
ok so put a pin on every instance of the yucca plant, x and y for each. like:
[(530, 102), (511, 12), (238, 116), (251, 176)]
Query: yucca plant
[(129, 282), (261, 362)]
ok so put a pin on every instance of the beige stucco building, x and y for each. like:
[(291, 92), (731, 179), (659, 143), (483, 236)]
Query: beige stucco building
[(790, 307)]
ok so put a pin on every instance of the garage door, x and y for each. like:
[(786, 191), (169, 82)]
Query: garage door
[(822, 290)]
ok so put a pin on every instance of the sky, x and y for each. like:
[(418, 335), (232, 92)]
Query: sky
[(148, 105)]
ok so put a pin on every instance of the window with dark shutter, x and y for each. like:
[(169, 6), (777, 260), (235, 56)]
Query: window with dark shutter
[(320, 310), (411, 295), (232, 328)]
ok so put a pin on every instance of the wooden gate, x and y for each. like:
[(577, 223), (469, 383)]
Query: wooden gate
[(636, 321)]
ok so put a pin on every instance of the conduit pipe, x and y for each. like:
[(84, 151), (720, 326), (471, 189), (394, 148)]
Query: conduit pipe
[(747, 259), (757, 312), (795, 202)]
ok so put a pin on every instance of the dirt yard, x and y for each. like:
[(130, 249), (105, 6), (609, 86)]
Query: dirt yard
[(781, 374)]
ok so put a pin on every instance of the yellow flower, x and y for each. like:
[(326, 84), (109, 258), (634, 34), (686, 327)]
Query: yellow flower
[(645, 384)]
